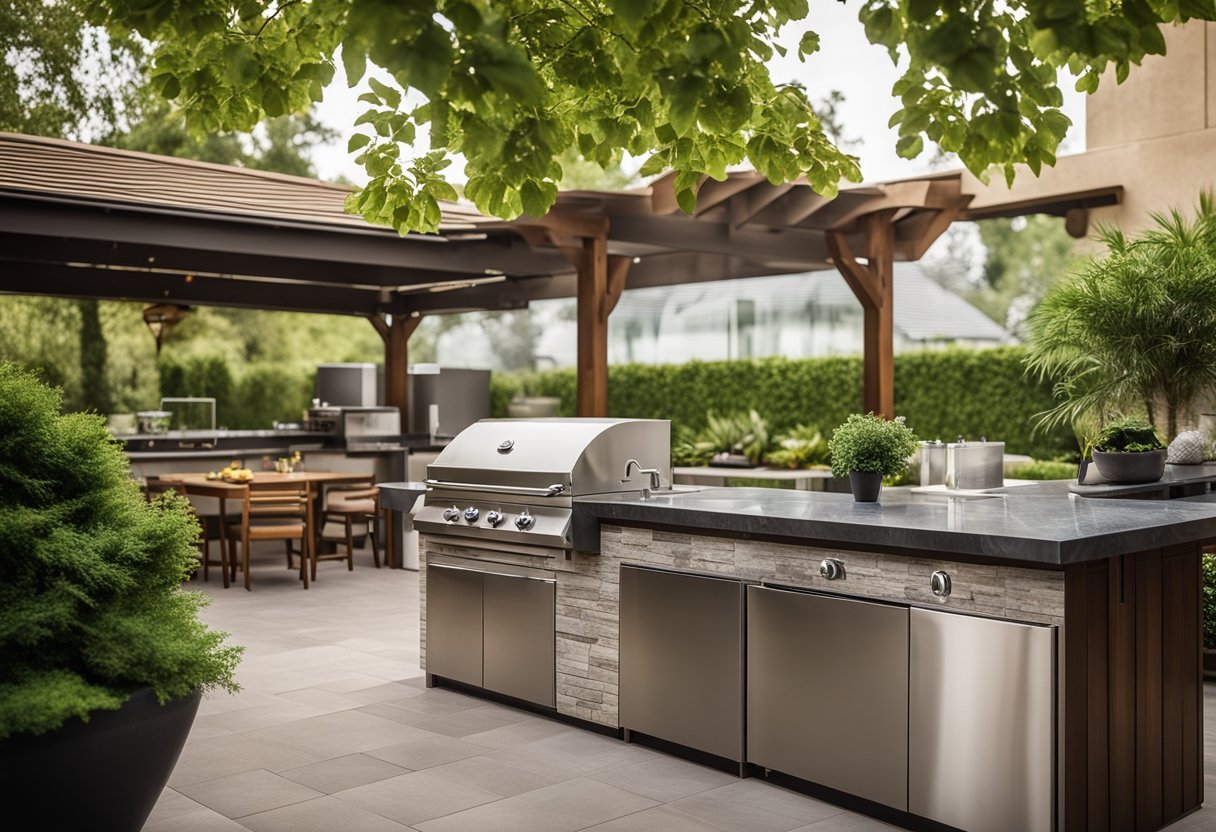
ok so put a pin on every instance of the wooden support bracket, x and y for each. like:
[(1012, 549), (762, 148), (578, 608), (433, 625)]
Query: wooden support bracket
[(872, 283)]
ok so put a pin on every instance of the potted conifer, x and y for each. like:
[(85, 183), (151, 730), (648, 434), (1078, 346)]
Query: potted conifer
[(103, 657), (867, 448)]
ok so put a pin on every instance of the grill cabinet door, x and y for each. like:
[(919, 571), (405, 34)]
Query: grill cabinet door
[(982, 740), (827, 691), (453, 623), (681, 659), (519, 637)]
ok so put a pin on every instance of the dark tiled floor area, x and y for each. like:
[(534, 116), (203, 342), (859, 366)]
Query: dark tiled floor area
[(335, 732)]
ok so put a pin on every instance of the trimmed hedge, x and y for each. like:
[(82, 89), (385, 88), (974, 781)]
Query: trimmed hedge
[(254, 399), (942, 393)]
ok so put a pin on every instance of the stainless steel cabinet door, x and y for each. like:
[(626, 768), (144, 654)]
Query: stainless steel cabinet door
[(982, 747), (681, 676), (453, 623), (519, 637), (827, 691)]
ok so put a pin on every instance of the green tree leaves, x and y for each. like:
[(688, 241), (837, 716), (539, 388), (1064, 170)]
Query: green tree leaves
[(512, 85)]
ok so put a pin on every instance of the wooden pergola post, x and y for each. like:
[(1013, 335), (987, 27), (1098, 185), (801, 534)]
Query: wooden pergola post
[(601, 279), (395, 330), (872, 283)]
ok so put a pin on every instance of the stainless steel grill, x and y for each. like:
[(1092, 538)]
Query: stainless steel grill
[(509, 484)]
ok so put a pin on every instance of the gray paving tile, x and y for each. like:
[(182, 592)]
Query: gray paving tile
[(571, 755), (768, 796), (492, 776), (849, 822), (468, 721), (230, 754), (562, 807), (325, 814), (337, 734), (658, 819), (425, 753), (520, 733), (249, 792), (416, 797), (340, 773), (259, 716), (665, 778), (174, 812), (728, 813)]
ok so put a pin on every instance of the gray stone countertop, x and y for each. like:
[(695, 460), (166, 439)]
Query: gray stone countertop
[(1037, 527)]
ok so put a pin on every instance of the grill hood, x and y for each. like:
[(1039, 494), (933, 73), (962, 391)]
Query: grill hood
[(583, 456)]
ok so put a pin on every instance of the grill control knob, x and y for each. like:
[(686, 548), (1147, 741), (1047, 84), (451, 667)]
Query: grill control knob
[(471, 514), (451, 514), (524, 521), (831, 569), (494, 518), (939, 584)]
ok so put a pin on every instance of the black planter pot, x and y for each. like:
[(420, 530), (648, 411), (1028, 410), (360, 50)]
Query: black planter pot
[(1209, 662), (1124, 467), (866, 486), (104, 775)]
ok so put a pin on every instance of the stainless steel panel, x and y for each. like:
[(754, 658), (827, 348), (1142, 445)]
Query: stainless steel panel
[(827, 691), (454, 623), (975, 465), (681, 659), (519, 637), (982, 739)]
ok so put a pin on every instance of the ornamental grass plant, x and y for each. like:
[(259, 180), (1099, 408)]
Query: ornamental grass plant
[(1135, 329), (92, 607)]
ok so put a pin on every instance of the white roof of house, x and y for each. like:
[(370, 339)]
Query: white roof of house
[(924, 310)]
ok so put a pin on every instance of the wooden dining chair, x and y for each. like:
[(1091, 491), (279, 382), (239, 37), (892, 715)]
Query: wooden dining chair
[(273, 511), (355, 507), (153, 487)]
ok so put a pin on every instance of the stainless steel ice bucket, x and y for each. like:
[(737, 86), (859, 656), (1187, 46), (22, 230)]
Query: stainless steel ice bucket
[(973, 465), (932, 463)]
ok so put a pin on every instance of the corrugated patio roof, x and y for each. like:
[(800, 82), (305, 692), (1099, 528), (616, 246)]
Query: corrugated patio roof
[(62, 169)]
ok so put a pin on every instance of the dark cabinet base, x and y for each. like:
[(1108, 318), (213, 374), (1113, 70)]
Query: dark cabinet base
[(1133, 720)]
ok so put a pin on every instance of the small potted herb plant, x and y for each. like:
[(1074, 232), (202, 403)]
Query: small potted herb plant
[(867, 448), (103, 657), (1128, 451)]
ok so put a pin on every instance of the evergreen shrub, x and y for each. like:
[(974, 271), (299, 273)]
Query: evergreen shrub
[(91, 603)]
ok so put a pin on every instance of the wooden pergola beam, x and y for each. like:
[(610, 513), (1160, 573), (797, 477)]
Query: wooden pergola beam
[(395, 331), (872, 283)]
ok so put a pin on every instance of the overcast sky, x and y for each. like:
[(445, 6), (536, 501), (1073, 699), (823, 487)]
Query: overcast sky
[(846, 62)]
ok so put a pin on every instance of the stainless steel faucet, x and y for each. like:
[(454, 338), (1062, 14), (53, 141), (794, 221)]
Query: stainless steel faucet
[(656, 477)]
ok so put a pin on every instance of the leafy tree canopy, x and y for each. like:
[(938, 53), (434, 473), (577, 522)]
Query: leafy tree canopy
[(511, 84), (60, 78)]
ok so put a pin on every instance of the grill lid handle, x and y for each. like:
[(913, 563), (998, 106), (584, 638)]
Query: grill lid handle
[(550, 491)]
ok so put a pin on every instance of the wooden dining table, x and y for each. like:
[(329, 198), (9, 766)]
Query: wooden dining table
[(201, 485)]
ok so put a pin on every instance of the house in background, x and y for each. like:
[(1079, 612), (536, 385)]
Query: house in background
[(796, 316)]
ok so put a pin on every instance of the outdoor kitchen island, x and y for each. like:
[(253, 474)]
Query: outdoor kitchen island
[(1023, 662)]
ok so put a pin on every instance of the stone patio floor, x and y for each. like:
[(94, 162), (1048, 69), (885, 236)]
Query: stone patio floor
[(334, 731)]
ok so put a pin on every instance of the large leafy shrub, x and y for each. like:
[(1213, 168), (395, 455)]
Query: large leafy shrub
[(91, 604)]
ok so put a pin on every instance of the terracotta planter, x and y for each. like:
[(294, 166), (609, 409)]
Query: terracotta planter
[(104, 775), (1123, 467), (866, 486)]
